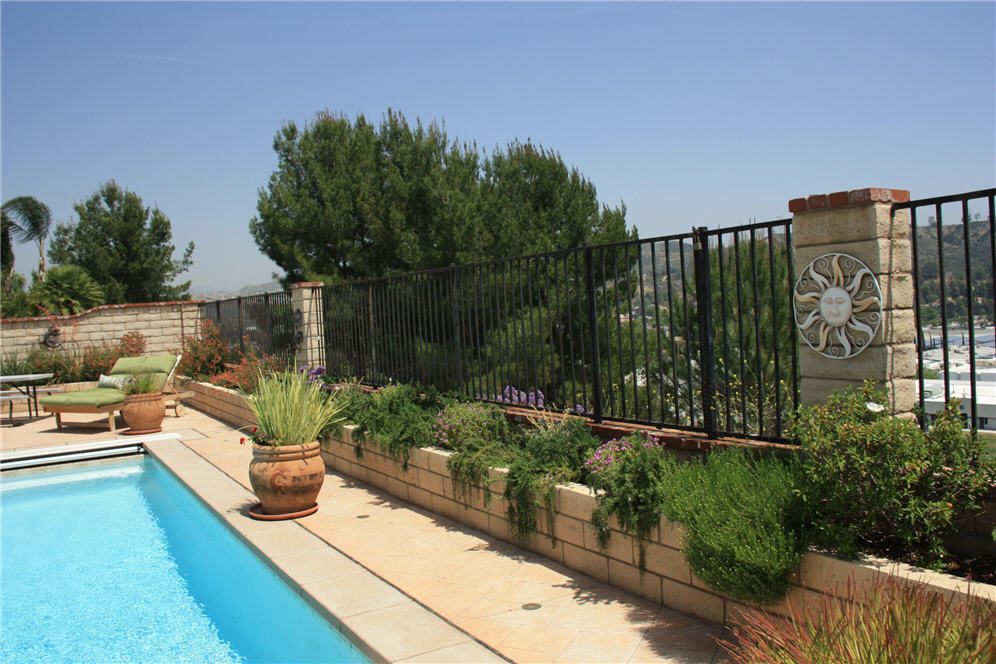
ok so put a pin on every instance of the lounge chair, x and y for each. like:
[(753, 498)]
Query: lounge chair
[(109, 397)]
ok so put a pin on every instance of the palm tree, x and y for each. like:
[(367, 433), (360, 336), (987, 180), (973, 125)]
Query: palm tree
[(6, 251), (30, 222)]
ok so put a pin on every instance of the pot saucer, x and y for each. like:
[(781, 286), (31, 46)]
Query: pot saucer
[(256, 512)]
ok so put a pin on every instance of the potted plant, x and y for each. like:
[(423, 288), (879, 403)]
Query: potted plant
[(286, 471), (144, 408)]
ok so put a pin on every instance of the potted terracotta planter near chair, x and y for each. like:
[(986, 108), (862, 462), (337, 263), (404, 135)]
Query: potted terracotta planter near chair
[(286, 471), (144, 407)]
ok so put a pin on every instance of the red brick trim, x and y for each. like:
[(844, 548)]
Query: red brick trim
[(103, 307), (853, 197), (307, 284)]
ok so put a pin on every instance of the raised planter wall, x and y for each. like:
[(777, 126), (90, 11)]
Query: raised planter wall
[(225, 404), (666, 580)]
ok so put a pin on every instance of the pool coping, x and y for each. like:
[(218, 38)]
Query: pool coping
[(311, 566)]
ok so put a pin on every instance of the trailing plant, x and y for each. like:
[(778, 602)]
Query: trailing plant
[(398, 418), (891, 622), (481, 438), (876, 483), (633, 476), (553, 452), (743, 520), (290, 410)]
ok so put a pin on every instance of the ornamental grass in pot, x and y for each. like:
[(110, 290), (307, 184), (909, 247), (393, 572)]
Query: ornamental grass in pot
[(286, 471), (144, 408)]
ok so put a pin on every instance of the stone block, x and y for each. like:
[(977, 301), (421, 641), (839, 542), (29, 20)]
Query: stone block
[(446, 507), (827, 574), (644, 583), (667, 562), (898, 327), (882, 256), (832, 226), (418, 458), (698, 602), (575, 500), (420, 497), (877, 362), (568, 529), (620, 546), (437, 461), (378, 480), (474, 518), (430, 482), (798, 599), (589, 562), (897, 291), (671, 533), (397, 488), (498, 527), (542, 545)]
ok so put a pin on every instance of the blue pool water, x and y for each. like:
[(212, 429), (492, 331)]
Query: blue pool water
[(118, 562)]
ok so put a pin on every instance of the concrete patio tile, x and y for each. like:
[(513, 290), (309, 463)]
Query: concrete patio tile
[(543, 638), (306, 568), (354, 594), (523, 656), (600, 646), (404, 631), (462, 653)]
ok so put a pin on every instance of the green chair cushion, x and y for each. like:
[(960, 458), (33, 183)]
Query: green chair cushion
[(151, 364), (99, 396)]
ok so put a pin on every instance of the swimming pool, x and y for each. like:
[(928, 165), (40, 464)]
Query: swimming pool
[(119, 562)]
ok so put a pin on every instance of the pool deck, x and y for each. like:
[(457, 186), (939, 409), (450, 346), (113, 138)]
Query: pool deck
[(413, 585)]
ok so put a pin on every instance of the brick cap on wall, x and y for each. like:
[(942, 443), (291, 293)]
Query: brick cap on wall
[(307, 284), (853, 197), (102, 307)]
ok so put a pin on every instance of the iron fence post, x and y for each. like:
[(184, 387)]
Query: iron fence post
[(242, 334), (596, 368), (457, 341), (703, 310)]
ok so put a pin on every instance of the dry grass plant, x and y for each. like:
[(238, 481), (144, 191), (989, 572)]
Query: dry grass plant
[(292, 411)]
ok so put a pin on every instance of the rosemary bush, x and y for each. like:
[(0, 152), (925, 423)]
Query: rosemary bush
[(743, 519), (397, 418)]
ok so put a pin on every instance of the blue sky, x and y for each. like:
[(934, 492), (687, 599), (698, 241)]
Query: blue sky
[(692, 114)]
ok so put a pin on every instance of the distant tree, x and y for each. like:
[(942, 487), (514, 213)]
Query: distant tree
[(29, 220), (124, 246), (66, 289), (15, 303), (350, 200)]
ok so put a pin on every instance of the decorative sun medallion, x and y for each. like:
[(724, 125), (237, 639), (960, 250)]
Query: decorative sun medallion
[(838, 305)]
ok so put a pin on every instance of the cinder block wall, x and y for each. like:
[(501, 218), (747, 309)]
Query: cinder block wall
[(163, 324), (666, 579)]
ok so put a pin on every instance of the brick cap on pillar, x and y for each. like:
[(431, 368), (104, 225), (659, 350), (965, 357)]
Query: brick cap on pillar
[(307, 284), (853, 197)]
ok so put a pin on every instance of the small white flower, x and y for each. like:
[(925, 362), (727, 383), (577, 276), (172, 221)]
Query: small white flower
[(875, 407)]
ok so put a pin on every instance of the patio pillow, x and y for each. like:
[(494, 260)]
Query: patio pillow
[(116, 382)]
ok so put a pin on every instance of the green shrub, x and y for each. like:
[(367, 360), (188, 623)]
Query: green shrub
[(204, 355), (398, 418), (890, 623), (481, 438), (743, 520), (553, 452), (877, 483), (634, 476)]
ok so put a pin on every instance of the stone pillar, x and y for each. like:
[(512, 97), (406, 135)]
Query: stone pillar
[(857, 223), (306, 303)]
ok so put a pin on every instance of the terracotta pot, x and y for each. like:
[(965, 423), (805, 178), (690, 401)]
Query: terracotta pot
[(144, 412), (286, 478)]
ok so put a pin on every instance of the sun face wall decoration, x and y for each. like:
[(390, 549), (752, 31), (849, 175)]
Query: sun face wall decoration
[(837, 305)]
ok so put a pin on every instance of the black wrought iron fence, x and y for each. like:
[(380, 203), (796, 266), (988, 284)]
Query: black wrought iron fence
[(954, 256), (256, 323), (689, 331)]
